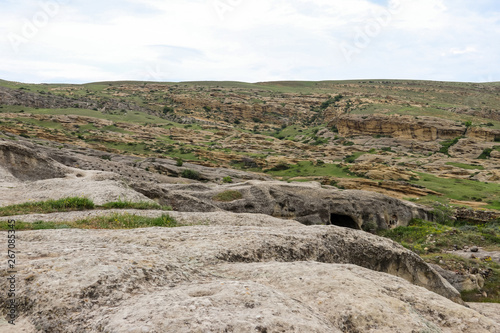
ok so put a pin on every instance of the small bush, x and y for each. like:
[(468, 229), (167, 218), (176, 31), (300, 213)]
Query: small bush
[(179, 162), (369, 226), (280, 167), (168, 109), (447, 144), (485, 154), (227, 179), (190, 174), (228, 196), (350, 158)]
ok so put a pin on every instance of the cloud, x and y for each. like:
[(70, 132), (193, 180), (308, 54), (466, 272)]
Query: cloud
[(246, 40)]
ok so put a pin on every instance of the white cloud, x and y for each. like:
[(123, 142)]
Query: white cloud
[(251, 40)]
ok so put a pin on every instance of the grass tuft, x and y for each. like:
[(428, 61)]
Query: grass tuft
[(49, 206), (142, 205), (228, 196), (114, 221)]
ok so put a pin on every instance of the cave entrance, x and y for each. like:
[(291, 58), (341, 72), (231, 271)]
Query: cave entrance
[(343, 221)]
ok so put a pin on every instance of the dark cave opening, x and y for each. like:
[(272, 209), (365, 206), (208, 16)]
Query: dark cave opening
[(343, 221)]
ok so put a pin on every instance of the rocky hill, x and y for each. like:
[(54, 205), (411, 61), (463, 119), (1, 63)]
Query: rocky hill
[(234, 207)]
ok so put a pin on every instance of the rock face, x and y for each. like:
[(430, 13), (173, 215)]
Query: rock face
[(25, 164), (461, 282), (308, 203), (423, 128), (19, 97), (265, 278), (419, 128)]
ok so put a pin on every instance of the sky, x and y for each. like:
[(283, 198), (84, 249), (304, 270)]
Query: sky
[(79, 41)]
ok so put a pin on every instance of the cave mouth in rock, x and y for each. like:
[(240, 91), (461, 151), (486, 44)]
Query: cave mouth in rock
[(343, 221)]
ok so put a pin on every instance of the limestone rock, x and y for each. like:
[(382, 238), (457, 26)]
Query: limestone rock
[(308, 203), (211, 278), (423, 128), (461, 282)]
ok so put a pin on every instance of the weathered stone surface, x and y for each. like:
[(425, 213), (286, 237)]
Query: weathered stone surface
[(213, 278), (461, 282), (308, 203), (423, 128), (26, 164)]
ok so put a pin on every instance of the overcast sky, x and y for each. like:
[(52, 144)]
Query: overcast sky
[(77, 41)]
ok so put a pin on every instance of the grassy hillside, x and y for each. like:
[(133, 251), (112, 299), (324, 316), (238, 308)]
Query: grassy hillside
[(287, 128)]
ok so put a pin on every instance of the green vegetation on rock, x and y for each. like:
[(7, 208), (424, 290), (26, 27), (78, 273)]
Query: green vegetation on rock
[(227, 196)]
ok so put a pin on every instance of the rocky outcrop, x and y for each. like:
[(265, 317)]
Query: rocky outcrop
[(483, 133), (478, 216), (382, 172), (26, 164), (308, 203), (52, 101), (419, 128), (463, 281), (263, 278)]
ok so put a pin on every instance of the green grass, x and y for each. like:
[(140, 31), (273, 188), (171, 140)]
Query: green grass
[(352, 158), (445, 145), (114, 221), (50, 206), (228, 196), (431, 240), (74, 204), (130, 117), (309, 169), (466, 166), (143, 205), (125, 221), (462, 189), (436, 237), (457, 263), (41, 123)]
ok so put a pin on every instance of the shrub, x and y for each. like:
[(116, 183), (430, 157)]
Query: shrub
[(179, 162), (190, 174), (227, 179), (330, 101), (168, 109), (447, 144), (485, 154), (350, 159), (280, 167), (369, 226)]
